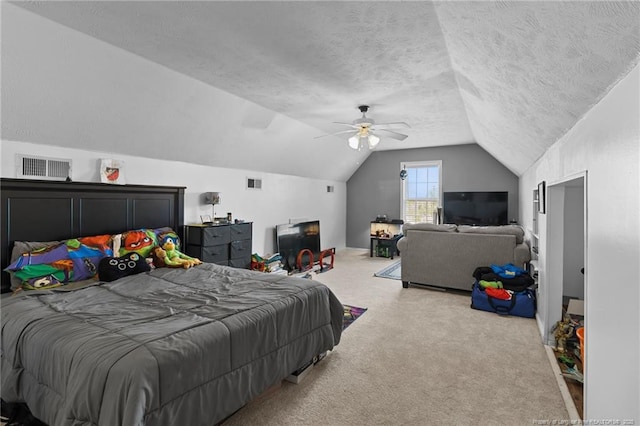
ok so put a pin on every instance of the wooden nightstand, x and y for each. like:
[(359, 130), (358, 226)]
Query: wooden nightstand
[(225, 244)]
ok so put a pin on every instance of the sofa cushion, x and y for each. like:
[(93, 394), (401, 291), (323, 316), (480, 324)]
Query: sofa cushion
[(495, 230), (429, 227)]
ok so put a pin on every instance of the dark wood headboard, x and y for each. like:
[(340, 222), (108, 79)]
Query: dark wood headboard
[(35, 210)]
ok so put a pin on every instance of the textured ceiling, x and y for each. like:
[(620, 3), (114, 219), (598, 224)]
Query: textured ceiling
[(528, 71), (512, 76)]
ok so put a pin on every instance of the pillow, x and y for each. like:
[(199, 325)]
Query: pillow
[(499, 230), (85, 253), (429, 227), (112, 268), (48, 261), (139, 241), (41, 283), (116, 242), (20, 247), (143, 240), (53, 265)]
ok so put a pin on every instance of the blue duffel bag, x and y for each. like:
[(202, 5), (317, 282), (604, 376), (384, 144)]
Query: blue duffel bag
[(521, 304)]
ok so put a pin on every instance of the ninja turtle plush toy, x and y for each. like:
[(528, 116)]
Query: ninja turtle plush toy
[(112, 268)]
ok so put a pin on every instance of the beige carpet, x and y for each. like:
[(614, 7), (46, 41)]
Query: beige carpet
[(416, 357)]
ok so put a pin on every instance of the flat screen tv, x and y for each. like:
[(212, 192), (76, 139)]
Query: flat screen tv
[(476, 208), (291, 238)]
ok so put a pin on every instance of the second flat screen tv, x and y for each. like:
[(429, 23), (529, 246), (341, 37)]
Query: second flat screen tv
[(293, 237), (476, 208)]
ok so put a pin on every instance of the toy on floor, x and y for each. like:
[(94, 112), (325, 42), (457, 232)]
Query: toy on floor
[(566, 361), (563, 330), (169, 255), (574, 374)]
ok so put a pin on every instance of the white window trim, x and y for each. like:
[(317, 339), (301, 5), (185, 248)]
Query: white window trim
[(410, 164)]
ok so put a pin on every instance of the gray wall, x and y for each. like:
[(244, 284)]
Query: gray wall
[(375, 187)]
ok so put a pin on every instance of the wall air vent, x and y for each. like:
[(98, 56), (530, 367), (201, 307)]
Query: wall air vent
[(253, 183), (330, 188), (31, 167)]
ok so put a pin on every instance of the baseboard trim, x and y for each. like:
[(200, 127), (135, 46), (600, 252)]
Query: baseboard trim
[(564, 390)]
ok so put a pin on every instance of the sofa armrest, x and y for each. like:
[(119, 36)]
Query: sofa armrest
[(521, 254), (402, 244)]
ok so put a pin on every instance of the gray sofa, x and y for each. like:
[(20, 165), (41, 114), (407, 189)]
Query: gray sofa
[(446, 255)]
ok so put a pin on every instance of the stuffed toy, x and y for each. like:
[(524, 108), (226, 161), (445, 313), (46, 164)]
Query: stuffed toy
[(172, 257), (562, 331), (158, 255), (112, 268)]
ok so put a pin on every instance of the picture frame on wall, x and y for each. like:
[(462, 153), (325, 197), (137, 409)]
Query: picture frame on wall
[(112, 171), (542, 197)]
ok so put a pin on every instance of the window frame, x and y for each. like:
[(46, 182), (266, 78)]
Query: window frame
[(403, 182)]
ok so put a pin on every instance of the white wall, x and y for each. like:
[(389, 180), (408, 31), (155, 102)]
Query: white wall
[(605, 143), (65, 88), (282, 197), (68, 95)]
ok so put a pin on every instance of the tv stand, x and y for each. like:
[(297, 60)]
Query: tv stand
[(385, 234), (390, 243)]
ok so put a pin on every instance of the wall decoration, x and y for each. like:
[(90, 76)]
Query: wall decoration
[(112, 171), (541, 197)]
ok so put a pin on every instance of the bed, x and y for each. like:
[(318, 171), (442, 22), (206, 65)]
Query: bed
[(169, 346)]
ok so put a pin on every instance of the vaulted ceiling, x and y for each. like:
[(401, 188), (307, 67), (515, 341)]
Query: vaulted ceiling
[(511, 76)]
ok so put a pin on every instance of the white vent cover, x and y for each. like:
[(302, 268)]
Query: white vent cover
[(31, 167), (253, 183)]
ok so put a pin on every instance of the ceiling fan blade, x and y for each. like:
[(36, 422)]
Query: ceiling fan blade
[(336, 133), (345, 124), (394, 125), (394, 135)]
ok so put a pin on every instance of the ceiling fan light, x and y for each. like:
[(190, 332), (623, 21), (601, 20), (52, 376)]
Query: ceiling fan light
[(373, 141), (354, 142)]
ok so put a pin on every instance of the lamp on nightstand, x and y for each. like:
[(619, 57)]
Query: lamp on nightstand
[(212, 198)]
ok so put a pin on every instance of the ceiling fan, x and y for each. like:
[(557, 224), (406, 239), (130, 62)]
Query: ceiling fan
[(365, 130)]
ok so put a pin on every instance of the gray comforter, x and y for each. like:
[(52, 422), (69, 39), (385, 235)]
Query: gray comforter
[(168, 347)]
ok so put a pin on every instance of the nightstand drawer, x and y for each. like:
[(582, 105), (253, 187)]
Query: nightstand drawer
[(215, 254), (243, 262), (210, 254), (240, 249), (241, 231), (208, 236)]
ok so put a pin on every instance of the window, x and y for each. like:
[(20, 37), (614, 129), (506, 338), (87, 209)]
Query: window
[(421, 191)]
